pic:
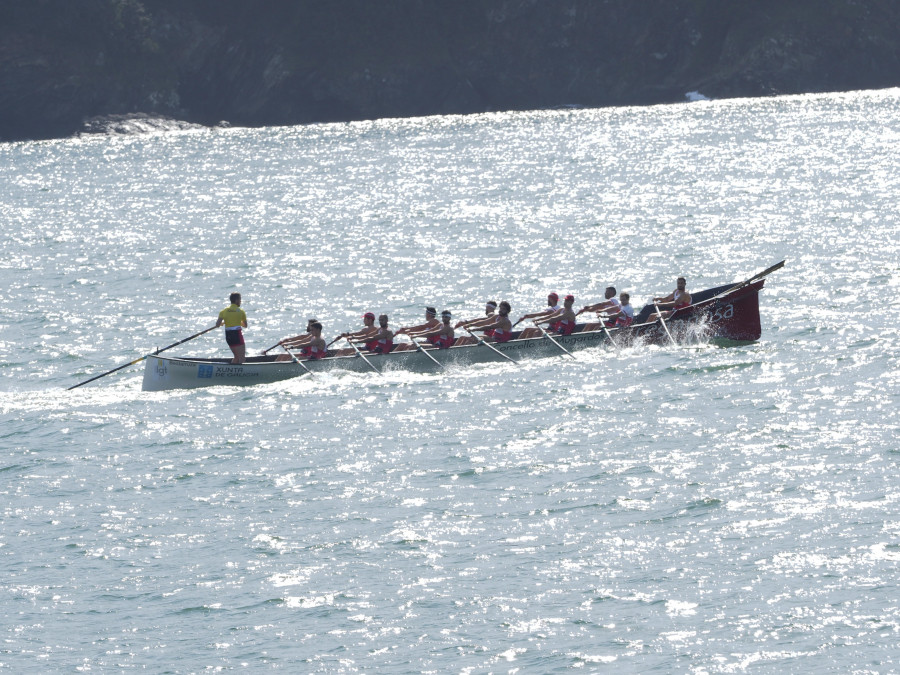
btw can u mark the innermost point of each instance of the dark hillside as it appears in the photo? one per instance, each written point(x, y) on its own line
point(260, 62)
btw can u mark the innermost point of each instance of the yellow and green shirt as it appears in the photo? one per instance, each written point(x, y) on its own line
point(233, 316)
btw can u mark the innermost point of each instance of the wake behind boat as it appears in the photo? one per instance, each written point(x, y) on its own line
point(729, 312)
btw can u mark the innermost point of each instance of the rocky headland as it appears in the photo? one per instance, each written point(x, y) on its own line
point(113, 66)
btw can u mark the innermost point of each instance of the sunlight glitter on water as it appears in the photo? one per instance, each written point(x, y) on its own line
point(701, 508)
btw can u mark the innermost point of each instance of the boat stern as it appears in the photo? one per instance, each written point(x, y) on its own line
point(156, 374)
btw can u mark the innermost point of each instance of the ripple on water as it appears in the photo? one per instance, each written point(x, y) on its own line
point(716, 507)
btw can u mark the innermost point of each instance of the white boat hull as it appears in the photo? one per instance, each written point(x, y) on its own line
point(729, 312)
point(162, 373)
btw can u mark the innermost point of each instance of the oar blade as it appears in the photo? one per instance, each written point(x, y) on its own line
point(131, 363)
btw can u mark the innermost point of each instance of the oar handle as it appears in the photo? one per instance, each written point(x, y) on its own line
point(268, 349)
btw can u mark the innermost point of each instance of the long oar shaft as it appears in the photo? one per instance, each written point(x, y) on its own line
point(296, 360)
point(755, 277)
point(663, 322)
point(425, 352)
point(547, 335)
point(608, 336)
point(174, 344)
point(491, 347)
point(359, 353)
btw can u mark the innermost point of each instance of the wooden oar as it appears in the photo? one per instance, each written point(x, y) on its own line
point(755, 277)
point(175, 344)
point(605, 330)
point(359, 353)
point(278, 344)
point(297, 361)
point(425, 352)
point(481, 341)
point(663, 322)
point(266, 351)
point(547, 335)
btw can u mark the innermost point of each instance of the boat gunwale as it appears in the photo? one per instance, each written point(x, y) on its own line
point(684, 315)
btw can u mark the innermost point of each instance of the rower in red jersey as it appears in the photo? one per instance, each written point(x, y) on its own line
point(489, 317)
point(677, 299)
point(502, 326)
point(443, 336)
point(563, 321)
point(382, 342)
point(368, 331)
point(431, 323)
point(608, 305)
point(552, 308)
point(314, 349)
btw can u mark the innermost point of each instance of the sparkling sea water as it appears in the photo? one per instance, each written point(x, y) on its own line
point(700, 509)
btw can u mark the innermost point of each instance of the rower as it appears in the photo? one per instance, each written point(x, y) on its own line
point(563, 321)
point(441, 337)
point(301, 339)
point(609, 304)
point(314, 349)
point(489, 317)
point(677, 299)
point(552, 308)
point(501, 329)
point(431, 323)
point(625, 315)
point(369, 329)
point(382, 342)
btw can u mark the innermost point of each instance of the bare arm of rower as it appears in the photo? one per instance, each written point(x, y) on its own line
point(481, 321)
point(377, 335)
point(550, 318)
point(425, 334)
point(297, 341)
point(536, 315)
point(365, 332)
point(606, 305)
point(495, 323)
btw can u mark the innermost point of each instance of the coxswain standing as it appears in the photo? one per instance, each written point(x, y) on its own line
point(234, 319)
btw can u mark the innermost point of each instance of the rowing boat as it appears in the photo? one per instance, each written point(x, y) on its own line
point(729, 313)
